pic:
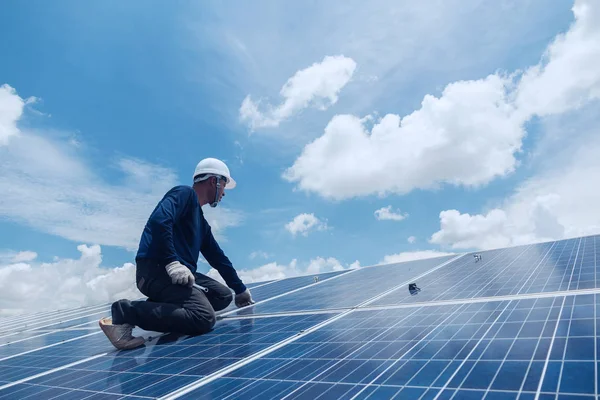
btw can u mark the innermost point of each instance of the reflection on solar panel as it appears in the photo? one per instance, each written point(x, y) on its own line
point(516, 323)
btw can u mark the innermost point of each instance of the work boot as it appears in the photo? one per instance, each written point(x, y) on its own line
point(120, 335)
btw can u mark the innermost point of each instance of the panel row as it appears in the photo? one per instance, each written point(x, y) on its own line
point(490, 350)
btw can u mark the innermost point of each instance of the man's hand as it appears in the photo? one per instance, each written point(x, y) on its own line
point(244, 299)
point(180, 274)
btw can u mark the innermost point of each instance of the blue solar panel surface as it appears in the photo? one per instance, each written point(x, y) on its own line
point(521, 323)
point(350, 289)
point(276, 288)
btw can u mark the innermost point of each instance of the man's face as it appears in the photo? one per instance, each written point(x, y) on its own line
point(222, 188)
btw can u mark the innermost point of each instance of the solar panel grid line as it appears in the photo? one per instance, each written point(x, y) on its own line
point(546, 276)
point(51, 316)
point(514, 340)
point(284, 286)
point(338, 362)
point(562, 363)
point(507, 268)
point(568, 263)
point(464, 277)
point(568, 329)
point(39, 343)
point(469, 354)
point(51, 371)
point(474, 272)
point(557, 265)
point(538, 266)
point(422, 304)
point(35, 326)
point(28, 338)
point(537, 345)
point(390, 366)
point(19, 317)
point(286, 327)
point(446, 280)
point(459, 322)
point(533, 273)
point(218, 374)
point(49, 346)
point(545, 368)
point(287, 293)
point(403, 284)
point(595, 327)
point(8, 342)
point(362, 284)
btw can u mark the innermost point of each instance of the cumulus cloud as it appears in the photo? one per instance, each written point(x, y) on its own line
point(11, 109)
point(315, 86)
point(468, 136)
point(411, 239)
point(275, 270)
point(49, 185)
point(304, 223)
point(65, 283)
point(568, 75)
point(560, 201)
point(386, 213)
point(412, 255)
point(321, 264)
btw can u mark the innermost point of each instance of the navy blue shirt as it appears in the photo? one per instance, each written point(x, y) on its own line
point(178, 231)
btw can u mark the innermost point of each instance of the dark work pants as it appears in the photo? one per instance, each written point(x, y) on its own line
point(170, 307)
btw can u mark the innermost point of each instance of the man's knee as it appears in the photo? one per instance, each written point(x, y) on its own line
point(201, 321)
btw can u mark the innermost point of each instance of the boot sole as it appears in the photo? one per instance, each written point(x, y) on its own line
point(132, 344)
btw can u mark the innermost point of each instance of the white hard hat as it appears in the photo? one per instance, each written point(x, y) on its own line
point(212, 166)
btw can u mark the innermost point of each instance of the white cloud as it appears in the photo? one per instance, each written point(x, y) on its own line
point(304, 223)
point(412, 255)
point(317, 85)
point(466, 231)
point(28, 287)
point(11, 109)
point(560, 201)
point(568, 76)
point(468, 136)
point(24, 256)
point(275, 270)
point(48, 185)
point(12, 257)
point(411, 239)
point(386, 213)
point(259, 254)
point(321, 264)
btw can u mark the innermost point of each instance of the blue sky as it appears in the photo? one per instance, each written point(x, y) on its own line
point(478, 125)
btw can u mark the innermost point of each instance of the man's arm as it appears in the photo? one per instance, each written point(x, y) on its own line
point(214, 255)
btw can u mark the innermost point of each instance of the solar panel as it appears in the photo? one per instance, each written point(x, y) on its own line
point(517, 323)
point(285, 286)
point(350, 289)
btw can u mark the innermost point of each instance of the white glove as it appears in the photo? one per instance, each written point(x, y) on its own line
point(180, 274)
point(244, 299)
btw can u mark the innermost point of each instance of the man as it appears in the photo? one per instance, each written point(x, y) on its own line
point(179, 299)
